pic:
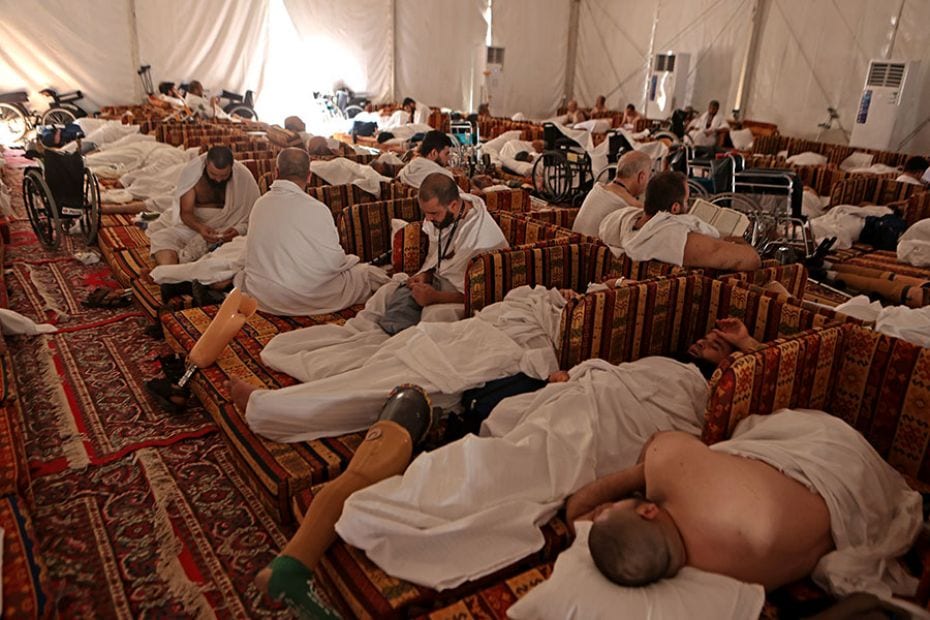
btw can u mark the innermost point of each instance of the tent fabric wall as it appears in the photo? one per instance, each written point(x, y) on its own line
point(438, 42)
point(803, 66)
point(534, 34)
point(350, 40)
point(67, 45)
point(222, 44)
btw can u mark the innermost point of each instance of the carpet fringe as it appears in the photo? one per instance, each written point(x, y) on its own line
point(72, 442)
point(44, 293)
point(169, 567)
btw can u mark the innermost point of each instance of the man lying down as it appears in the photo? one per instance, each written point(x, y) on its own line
point(535, 450)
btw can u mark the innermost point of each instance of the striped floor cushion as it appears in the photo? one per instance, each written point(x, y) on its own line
point(113, 239)
point(130, 264)
point(116, 219)
point(26, 592)
point(275, 470)
point(148, 295)
point(360, 589)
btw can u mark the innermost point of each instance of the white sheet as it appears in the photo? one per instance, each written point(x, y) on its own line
point(348, 371)
point(845, 222)
point(874, 515)
point(471, 507)
point(910, 324)
point(493, 147)
point(914, 245)
point(342, 171)
point(14, 323)
point(662, 238)
point(807, 158)
point(418, 169)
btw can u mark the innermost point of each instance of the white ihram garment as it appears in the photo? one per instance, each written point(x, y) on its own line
point(414, 173)
point(598, 204)
point(914, 245)
point(662, 238)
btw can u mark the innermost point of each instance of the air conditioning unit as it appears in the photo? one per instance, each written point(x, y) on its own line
point(667, 82)
point(889, 88)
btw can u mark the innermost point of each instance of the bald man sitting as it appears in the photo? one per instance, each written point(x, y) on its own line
point(663, 230)
point(633, 172)
point(791, 493)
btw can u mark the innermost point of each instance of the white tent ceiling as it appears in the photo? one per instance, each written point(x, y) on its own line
point(810, 54)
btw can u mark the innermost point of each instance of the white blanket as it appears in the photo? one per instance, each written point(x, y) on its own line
point(812, 204)
point(471, 507)
point(349, 370)
point(595, 125)
point(341, 171)
point(13, 324)
point(808, 158)
point(914, 245)
point(169, 232)
point(597, 205)
point(493, 147)
point(418, 169)
point(662, 238)
point(910, 324)
point(845, 222)
point(874, 515)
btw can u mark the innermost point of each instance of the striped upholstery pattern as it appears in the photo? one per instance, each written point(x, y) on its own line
point(338, 197)
point(259, 167)
point(491, 603)
point(275, 470)
point(871, 189)
point(26, 588)
point(560, 216)
point(916, 208)
point(365, 229)
point(885, 260)
point(514, 200)
point(793, 277)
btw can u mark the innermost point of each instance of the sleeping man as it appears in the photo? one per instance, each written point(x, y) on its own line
point(662, 230)
point(535, 449)
point(793, 493)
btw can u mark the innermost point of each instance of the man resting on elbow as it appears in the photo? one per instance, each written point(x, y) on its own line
point(662, 230)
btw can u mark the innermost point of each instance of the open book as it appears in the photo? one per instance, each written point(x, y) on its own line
point(729, 222)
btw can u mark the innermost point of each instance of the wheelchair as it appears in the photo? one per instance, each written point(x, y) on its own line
point(563, 172)
point(61, 195)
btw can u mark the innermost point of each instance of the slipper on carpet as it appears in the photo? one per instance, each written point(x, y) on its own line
point(103, 297)
point(168, 394)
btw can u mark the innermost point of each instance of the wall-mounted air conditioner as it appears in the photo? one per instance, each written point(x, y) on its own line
point(889, 85)
point(667, 80)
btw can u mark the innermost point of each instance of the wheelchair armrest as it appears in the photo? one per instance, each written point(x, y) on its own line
point(235, 97)
point(49, 92)
point(74, 95)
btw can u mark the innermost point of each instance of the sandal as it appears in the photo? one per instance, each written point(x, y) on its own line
point(103, 297)
point(172, 365)
point(168, 394)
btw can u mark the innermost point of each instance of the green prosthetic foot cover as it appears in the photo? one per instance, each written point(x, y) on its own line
point(292, 583)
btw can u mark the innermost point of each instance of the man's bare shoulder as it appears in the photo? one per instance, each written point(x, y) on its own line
point(671, 459)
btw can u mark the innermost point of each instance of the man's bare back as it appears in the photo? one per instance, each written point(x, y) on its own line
point(737, 516)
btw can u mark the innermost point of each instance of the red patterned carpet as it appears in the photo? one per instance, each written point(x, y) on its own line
point(139, 513)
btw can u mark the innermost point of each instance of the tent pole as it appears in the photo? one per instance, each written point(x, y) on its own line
point(394, 50)
point(649, 57)
point(134, 48)
point(574, 9)
point(888, 52)
point(749, 60)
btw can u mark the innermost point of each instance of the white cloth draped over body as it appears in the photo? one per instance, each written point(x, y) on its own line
point(168, 232)
point(493, 147)
point(598, 204)
point(418, 169)
point(874, 515)
point(698, 126)
point(594, 125)
point(290, 262)
point(348, 371)
point(146, 169)
point(914, 245)
point(662, 238)
point(910, 324)
point(342, 171)
point(508, 153)
point(474, 506)
point(421, 113)
point(404, 132)
point(845, 222)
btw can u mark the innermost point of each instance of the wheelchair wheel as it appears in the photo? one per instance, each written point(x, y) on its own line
point(90, 219)
point(243, 111)
point(58, 116)
point(352, 111)
point(552, 176)
point(41, 208)
point(13, 124)
point(696, 190)
point(760, 230)
point(607, 174)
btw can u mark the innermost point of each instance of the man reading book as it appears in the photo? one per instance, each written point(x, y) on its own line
point(663, 230)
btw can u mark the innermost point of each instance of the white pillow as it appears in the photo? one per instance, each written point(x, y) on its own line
point(577, 590)
point(808, 158)
point(741, 138)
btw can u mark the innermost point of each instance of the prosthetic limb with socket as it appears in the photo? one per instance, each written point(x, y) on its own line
point(231, 316)
point(894, 287)
point(386, 451)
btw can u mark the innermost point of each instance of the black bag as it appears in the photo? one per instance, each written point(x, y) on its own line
point(479, 402)
point(882, 233)
point(362, 128)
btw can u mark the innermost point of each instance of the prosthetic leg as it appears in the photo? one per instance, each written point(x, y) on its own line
point(229, 319)
point(385, 452)
point(896, 288)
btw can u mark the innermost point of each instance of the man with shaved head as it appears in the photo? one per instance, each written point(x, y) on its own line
point(294, 264)
point(633, 172)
